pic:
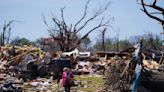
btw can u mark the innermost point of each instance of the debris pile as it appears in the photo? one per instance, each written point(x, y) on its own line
point(121, 74)
point(18, 61)
point(27, 63)
point(116, 80)
point(152, 65)
point(17, 54)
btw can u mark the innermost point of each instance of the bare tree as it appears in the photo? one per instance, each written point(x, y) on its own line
point(103, 38)
point(153, 10)
point(6, 29)
point(6, 32)
point(67, 35)
point(117, 40)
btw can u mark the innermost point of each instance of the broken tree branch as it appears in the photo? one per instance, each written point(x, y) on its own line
point(84, 15)
point(64, 25)
point(101, 24)
point(157, 8)
point(148, 14)
point(97, 13)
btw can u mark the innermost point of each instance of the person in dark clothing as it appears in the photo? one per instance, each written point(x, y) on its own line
point(59, 77)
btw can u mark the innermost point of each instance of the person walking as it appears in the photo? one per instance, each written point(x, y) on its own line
point(67, 78)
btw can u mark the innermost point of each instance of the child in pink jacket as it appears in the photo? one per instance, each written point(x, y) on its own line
point(67, 78)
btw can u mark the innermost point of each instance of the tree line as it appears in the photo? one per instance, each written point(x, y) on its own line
point(151, 41)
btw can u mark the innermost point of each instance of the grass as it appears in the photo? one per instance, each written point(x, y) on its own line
point(91, 83)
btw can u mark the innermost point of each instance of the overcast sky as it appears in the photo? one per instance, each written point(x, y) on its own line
point(128, 18)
